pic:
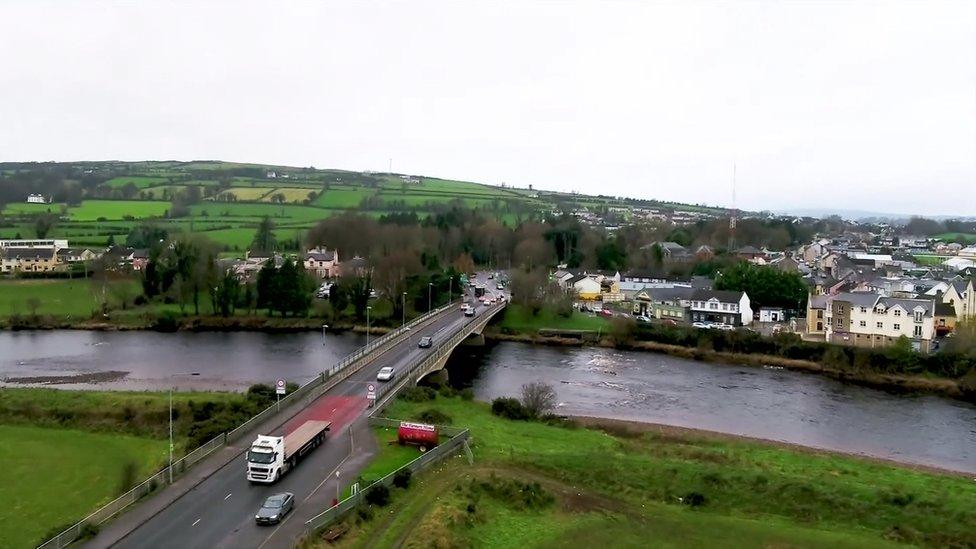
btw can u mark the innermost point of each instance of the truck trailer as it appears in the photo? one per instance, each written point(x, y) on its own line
point(269, 458)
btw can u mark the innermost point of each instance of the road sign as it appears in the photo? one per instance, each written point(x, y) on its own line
point(370, 392)
point(280, 386)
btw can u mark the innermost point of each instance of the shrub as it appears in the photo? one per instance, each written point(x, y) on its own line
point(514, 493)
point(447, 391)
point(435, 416)
point(694, 499)
point(509, 408)
point(401, 479)
point(419, 394)
point(467, 394)
point(378, 495)
point(538, 398)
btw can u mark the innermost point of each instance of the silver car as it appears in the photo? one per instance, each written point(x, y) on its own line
point(275, 508)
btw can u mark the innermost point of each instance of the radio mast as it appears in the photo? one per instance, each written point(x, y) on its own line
point(733, 215)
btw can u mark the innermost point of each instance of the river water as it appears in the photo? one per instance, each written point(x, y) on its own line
point(772, 404)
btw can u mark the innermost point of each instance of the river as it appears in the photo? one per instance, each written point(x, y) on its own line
point(780, 405)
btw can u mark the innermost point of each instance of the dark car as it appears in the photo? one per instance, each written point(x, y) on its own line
point(275, 508)
point(425, 342)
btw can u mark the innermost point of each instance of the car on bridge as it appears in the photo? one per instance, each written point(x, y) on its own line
point(386, 373)
point(275, 508)
point(425, 342)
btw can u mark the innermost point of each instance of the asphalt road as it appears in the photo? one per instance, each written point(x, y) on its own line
point(220, 511)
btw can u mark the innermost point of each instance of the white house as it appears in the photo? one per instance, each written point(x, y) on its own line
point(36, 199)
point(585, 287)
point(726, 307)
point(771, 314)
point(322, 262)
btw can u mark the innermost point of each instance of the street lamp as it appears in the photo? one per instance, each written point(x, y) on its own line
point(403, 310)
point(171, 421)
point(324, 327)
point(450, 289)
point(368, 308)
point(430, 289)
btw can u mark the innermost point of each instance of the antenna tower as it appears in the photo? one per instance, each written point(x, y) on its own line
point(733, 215)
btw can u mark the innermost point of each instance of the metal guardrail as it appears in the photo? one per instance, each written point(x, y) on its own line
point(431, 456)
point(310, 390)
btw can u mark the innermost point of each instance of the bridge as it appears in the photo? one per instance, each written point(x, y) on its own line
point(211, 504)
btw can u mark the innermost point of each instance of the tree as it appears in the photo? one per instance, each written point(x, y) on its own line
point(338, 300)
point(267, 286)
point(765, 286)
point(227, 294)
point(264, 238)
point(44, 223)
point(538, 398)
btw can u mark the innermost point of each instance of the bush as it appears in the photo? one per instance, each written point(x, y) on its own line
point(509, 408)
point(419, 394)
point(467, 394)
point(434, 416)
point(538, 398)
point(514, 493)
point(401, 479)
point(378, 495)
point(694, 499)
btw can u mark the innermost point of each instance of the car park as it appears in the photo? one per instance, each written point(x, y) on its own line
point(275, 508)
point(385, 374)
point(425, 342)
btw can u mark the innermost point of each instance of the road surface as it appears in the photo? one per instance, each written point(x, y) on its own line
point(220, 511)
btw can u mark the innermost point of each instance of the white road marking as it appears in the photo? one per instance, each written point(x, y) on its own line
point(227, 496)
point(196, 522)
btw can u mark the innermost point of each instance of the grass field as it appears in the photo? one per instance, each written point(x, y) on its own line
point(245, 194)
point(91, 210)
point(54, 477)
point(929, 259)
point(520, 319)
point(139, 181)
point(257, 211)
point(25, 208)
point(77, 298)
point(627, 488)
point(342, 198)
point(951, 237)
point(292, 195)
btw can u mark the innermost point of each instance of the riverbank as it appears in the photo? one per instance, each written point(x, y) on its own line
point(625, 483)
point(189, 323)
point(628, 428)
point(889, 382)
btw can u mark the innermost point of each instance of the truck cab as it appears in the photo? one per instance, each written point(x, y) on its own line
point(266, 459)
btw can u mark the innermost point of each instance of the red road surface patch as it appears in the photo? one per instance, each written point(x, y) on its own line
point(340, 410)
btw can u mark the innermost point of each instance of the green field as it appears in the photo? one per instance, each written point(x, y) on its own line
point(139, 181)
point(518, 318)
point(76, 298)
point(622, 488)
point(342, 198)
point(25, 208)
point(55, 477)
point(91, 210)
point(951, 237)
point(257, 211)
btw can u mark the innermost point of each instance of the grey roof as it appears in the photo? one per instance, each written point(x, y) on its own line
point(576, 278)
point(910, 304)
point(819, 301)
point(959, 284)
point(28, 253)
point(321, 256)
point(944, 309)
point(701, 282)
point(748, 250)
point(670, 294)
point(724, 296)
point(860, 299)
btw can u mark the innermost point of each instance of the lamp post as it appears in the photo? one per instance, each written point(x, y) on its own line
point(430, 289)
point(450, 290)
point(403, 310)
point(324, 327)
point(171, 421)
point(368, 308)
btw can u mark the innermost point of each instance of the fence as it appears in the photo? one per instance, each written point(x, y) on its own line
point(309, 391)
point(434, 454)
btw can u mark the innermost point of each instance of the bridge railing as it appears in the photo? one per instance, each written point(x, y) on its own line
point(309, 391)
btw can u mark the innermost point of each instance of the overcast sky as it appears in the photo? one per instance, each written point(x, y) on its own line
point(858, 105)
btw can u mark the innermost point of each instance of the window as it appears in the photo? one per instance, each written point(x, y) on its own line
point(864, 324)
point(819, 314)
point(897, 312)
point(864, 309)
point(725, 306)
point(881, 325)
point(918, 316)
point(918, 331)
point(898, 326)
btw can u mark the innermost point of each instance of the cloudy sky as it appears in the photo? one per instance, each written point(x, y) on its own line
point(852, 105)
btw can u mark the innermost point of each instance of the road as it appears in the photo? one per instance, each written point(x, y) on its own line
point(219, 512)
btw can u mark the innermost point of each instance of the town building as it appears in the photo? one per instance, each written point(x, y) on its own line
point(865, 319)
point(322, 262)
point(721, 306)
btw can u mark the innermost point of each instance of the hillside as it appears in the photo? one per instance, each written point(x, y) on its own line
point(88, 202)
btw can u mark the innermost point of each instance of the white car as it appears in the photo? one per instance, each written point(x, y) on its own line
point(702, 325)
point(642, 318)
point(385, 374)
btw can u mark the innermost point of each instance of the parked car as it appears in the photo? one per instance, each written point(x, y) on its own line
point(385, 374)
point(606, 312)
point(669, 321)
point(275, 508)
point(702, 325)
point(499, 286)
point(642, 318)
point(425, 342)
point(726, 327)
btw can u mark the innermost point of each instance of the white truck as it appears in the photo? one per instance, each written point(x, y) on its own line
point(269, 458)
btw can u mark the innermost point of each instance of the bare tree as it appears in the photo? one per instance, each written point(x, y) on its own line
point(538, 398)
point(33, 303)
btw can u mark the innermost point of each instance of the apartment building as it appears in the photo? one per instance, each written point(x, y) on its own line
point(865, 319)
